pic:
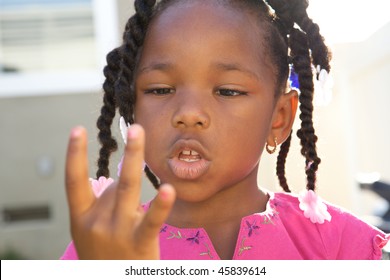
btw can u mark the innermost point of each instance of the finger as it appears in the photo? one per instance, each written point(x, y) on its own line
point(157, 214)
point(79, 193)
point(129, 185)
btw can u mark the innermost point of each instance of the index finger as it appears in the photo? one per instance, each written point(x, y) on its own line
point(79, 193)
point(129, 185)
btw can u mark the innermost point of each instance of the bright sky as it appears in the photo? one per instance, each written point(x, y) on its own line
point(349, 20)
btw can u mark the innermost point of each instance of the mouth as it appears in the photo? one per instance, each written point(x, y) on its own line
point(189, 156)
point(188, 160)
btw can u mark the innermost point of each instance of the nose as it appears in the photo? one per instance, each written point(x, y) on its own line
point(191, 111)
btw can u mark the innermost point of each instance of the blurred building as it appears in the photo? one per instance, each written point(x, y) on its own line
point(47, 35)
point(51, 58)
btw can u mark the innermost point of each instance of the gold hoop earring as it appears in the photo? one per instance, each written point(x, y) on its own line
point(271, 149)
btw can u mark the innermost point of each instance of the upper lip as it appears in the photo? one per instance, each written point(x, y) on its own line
point(189, 145)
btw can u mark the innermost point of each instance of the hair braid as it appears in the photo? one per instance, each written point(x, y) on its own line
point(133, 39)
point(104, 122)
point(283, 14)
point(281, 163)
point(295, 11)
point(320, 55)
point(307, 47)
point(152, 178)
point(302, 65)
point(117, 86)
point(107, 114)
point(319, 51)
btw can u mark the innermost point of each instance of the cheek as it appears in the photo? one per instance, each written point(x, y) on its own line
point(251, 123)
point(248, 143)
point(149, 110)
point(248, 135)
point(156, 126)
point(147, 116)
point(153, 150)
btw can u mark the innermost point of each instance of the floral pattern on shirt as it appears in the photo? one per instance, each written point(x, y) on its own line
point(243, 247)
point(195, 238)
point(251, 227)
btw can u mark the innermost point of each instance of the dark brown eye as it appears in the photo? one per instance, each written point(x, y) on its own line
point(230, 92)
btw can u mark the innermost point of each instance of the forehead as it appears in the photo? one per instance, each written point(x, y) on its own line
point(209, 12)
point(206, 29)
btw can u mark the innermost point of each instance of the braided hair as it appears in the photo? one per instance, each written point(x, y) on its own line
point(292, 40)
point(307, 48)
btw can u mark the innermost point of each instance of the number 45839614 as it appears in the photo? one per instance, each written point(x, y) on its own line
point(241, 270)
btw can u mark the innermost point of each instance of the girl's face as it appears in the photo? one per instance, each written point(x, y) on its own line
point(205, 97)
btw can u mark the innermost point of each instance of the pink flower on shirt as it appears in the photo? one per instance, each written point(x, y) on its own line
point(313, 207)
point(98, 186)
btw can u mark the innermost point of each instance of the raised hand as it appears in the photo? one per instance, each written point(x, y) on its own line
point(114, 226)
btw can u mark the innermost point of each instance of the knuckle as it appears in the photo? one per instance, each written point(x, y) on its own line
point(72, 149)
point(129, 182)
point(97, 229)
point(70, 181)
point(75, 147)
point(123, 185)
point(153, 222)
point(134, 146)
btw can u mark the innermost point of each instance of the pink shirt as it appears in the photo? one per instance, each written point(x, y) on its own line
point(279, 233)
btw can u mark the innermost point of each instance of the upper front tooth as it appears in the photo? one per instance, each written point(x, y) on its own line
point(190, 153)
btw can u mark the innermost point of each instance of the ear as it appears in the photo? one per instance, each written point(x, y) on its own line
point(283, 117)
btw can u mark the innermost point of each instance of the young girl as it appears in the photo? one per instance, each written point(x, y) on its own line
point(207, 84)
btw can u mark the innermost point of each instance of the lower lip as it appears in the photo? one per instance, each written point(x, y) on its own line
point(188, 170)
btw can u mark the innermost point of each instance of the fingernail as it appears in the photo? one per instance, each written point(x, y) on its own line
point(132, 132)
point(164, 195)
point(75, 133)
point(164, 192)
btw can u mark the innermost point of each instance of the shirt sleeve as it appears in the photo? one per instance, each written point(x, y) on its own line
point(349, 238)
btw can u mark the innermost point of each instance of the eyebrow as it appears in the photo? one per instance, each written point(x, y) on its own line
point(235, 67)
point(160, 66)
point(166, 66)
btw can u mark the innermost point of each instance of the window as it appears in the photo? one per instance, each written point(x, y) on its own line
point(54, 46)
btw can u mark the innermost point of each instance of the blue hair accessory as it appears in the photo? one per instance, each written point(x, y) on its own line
point(293, 78)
